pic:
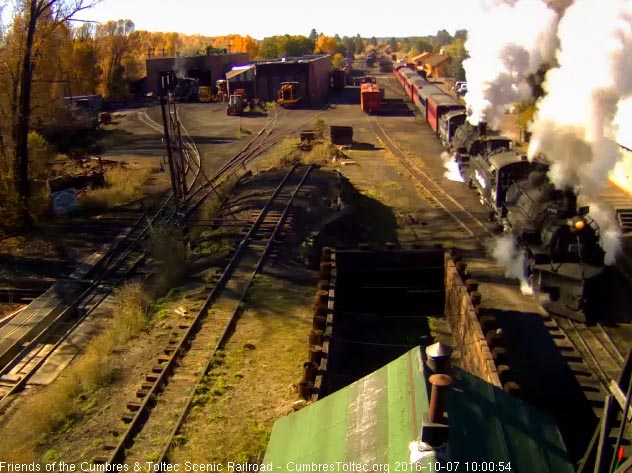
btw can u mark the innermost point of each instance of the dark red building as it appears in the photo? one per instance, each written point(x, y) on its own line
point(207, 69)
point(264, 78)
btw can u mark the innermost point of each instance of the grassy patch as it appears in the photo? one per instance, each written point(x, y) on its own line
point(320, 154)
point(58, 406)
point(252, 385)
point(212, 206)
point(169, 250)
point(288, 152)
point(122, 186)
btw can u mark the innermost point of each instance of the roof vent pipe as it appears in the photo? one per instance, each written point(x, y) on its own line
point(438, 358)
point(438, 397)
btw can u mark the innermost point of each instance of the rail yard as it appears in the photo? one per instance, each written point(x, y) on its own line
point(223, 355)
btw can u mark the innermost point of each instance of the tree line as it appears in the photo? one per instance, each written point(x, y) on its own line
point(45, 55)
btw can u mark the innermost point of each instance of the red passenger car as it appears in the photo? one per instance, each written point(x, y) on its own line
point(438, 105)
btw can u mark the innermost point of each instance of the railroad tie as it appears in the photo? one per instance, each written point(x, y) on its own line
point(134, 406)
point(109, 446)
point(164, 358)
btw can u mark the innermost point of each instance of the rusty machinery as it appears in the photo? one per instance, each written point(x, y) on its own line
point(288, 94)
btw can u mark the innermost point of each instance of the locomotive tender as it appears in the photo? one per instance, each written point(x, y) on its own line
point(559, 242)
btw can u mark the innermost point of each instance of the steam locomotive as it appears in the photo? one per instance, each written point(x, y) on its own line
point(562, 260)
point(558, 242)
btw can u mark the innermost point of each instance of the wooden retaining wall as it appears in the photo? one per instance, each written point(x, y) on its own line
point(467, 333)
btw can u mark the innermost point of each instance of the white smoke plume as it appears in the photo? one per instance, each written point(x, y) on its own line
point(622, 172)
point(502, 56)
point(609, 232)
point(452, 172)
point(506, 253)
point(179, 67)
point(574, 125)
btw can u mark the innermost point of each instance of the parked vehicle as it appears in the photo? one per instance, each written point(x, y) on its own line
point(288, 94)
point(462, 89)
point(205, 94)
point(237, 102)
point(458, 84)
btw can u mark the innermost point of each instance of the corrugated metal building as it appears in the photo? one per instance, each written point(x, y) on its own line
point(374, 424)
point(207, 69)
point(311, 72)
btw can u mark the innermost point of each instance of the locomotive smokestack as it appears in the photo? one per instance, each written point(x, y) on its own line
point(569, 203)
point(482, 128)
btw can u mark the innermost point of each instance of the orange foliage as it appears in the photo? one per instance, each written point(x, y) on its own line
point(237, 44)
point(325, 44)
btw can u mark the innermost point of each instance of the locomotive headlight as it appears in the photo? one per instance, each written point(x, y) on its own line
point(578, 223)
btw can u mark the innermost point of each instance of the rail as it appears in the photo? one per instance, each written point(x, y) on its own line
point(90, 298)
point(175, 355)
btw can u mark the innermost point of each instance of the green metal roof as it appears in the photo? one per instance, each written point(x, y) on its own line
point(489, 425)
point(376, 420)
point(371, 421)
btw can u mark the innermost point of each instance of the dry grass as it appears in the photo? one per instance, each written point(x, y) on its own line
point(211, 208)
point(169, 250)
point(122, 186)
point(288, 152)
point(320, 154)
point(58, 406)
point(251, 384)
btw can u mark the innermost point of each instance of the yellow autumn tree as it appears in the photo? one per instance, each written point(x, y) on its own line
point(325, 44)
point(237, 44)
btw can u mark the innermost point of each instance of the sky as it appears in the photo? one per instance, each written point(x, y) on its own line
point(261, 18)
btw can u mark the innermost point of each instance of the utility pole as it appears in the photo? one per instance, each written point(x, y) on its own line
point(166, 85)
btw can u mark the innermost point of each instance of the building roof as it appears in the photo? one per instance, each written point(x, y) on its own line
point(293, 59)
point(237, 70)
point(371, 421)
point(435, 59)
point(419, 57)
point(377, 420)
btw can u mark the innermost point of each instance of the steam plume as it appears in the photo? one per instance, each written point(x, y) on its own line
point(574, 125)
point(502, 56)
point(505, 252)
point(609, 232)
point(451, 167)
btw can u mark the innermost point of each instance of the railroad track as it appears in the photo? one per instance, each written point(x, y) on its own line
point(131, 250)
point(431, 190)
point(150, 422)
point(122, 259)
point(127, 253)
point(596, 349)
point(271, 134)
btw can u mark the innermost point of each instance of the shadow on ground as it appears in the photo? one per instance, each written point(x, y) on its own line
point(546, 378)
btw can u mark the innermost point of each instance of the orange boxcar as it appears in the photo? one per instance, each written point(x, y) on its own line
point(370, 98)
